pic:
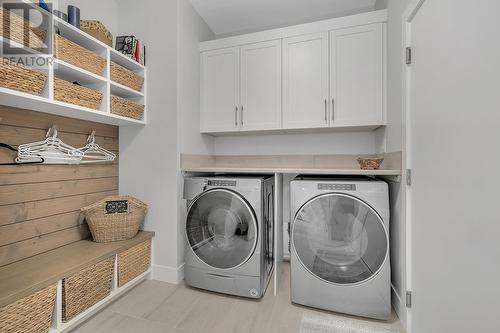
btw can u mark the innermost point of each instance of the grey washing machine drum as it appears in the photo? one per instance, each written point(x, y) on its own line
point(340, 239)
point(221, 229)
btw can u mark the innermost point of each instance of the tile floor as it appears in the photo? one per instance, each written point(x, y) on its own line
point(155, 306)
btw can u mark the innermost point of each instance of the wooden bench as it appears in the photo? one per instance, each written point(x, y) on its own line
point(25, 277)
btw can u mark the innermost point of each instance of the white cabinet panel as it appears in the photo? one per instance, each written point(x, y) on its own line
point(220, 89)
point(261, 86)
point(356, 76)
point(305, 81)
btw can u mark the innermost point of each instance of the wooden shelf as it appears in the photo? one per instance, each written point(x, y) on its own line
point(25, 277)
point(126, 62)
point(69, 72)
point(124, 91)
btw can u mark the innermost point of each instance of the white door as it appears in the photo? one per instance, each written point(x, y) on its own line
point(356, 76)
point(453, 123)
point(260, 107)
point(305, 81)
point(220, 90)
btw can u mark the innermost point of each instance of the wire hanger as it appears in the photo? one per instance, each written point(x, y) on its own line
point(93, 153)
point(9, 147)
point(52, 150)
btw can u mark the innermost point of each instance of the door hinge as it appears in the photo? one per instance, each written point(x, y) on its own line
point(408, 56)
point(408, 177)
point(408, 299)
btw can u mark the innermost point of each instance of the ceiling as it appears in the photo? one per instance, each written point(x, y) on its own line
point(226, 17)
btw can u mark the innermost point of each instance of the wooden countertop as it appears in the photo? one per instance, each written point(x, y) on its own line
point(291, 164)
point(27, 276)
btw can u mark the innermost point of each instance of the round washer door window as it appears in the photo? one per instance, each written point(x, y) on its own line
point(221, 229)
point(339, 239)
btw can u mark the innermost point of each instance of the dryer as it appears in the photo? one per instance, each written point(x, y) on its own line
point(229, 230)
point(340, 245)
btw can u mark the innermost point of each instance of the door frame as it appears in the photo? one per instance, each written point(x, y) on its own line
point(407, 19)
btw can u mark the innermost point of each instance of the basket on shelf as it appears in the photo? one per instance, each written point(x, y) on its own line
point(133, 262)
point(97, 30)
point(79, 56)
point(21, 78)
point(31, 314)
point(115, 218)
point(86, 288)
point(370, 163)
point(69, 92)
point(19, 30)
point(126, 108)
point(121, 75)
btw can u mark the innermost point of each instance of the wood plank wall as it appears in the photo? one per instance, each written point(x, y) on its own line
point(39, 204)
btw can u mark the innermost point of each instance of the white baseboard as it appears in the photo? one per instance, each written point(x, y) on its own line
point(168, 274)
point(399, 306)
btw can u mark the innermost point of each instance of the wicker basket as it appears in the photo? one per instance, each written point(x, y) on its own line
point(13, 28)
point(79, 56)
point(32, 314)
point(126, 77)
point(68, 92)
point(21, 78)
point(86, 288)
point(370, 163)
point(126, 108)
point(133, 262)
point(97, 30)
point(115, 218)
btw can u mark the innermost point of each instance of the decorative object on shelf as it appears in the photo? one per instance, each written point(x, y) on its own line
point(126, 108)
point(126, 77)
point(61, 15)
point(115, 218)
point(42, 4)
point(52, 150)
point(370, 163)
point(21, 78)
point(97, 30)
point(132, 48)
point(69, 92)
point(79, 56)
point(93, 153)
point(74, 16)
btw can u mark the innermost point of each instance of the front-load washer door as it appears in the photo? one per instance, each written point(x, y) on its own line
point(340, 239)
point(221, 229)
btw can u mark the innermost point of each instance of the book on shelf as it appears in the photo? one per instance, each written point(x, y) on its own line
point(132, 48)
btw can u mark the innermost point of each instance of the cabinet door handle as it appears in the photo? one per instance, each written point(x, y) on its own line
point(333, 108)
point(241, 115)
point(236, 116)
point(326, 110)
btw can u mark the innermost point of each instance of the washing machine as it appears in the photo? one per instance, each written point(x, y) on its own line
point(340, 245)
point(229, 231)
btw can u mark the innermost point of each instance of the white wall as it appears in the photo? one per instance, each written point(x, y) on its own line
point(148, 155)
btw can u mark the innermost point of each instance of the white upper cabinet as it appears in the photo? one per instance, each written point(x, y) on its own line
point(356, 76)
point(305, 81)
point(260, 106)
point(220, 90)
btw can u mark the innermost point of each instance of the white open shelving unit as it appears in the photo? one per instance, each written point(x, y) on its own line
point(60, 69)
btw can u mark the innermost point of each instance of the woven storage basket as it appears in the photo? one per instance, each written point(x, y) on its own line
point(21, 78)
point(370, 163)
point(126, 108)
point(86, 288)
point(115, 218)
point(126, 77)
point(97, 30)
point(133, 262)
point(68, 92)
point(13, 28)
point(32, 314)
point(79, 56)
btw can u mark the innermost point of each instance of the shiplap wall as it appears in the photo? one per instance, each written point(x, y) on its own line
point(39, 204)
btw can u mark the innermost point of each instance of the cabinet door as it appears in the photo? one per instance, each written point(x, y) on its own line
point(356, 76)
point(261, 86)
point(305, 81)
point(220, 90)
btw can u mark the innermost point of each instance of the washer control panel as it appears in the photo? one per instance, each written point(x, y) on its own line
point(222, 183)
point(337, 187)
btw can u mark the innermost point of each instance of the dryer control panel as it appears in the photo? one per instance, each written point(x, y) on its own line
point(222, 183)
point(337, 187)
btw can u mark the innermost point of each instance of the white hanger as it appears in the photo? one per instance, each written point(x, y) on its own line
point(93, 153)
point(52, 150)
